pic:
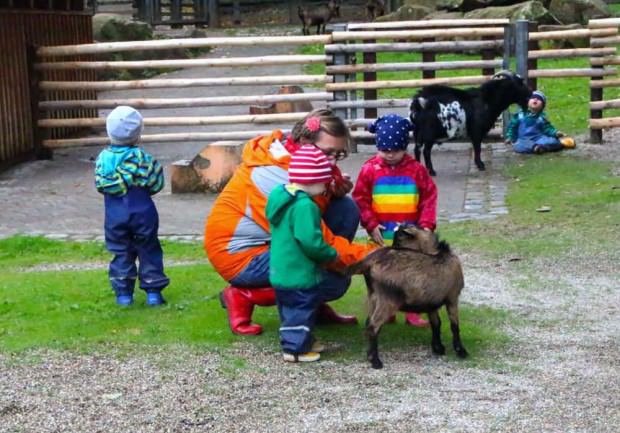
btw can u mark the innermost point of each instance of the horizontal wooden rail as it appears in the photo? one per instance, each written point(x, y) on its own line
point(570, 53)
point(418, 34)
point(604, 22)
point(189, 63)
point(183, 82)
point(427, 24)
point(377, 103)
point(186, 102)
point(604, 105)
point(609, 122)
point(167, 44)
point(447, 46)
point(174, 137)
point(179, 121)
point(605, 42)
point(415, 66)
point(601, 84)
point(565, 73)
point(573, 34)
point(395, 84)
point(601, 61)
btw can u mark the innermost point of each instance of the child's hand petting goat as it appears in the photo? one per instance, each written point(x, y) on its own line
point(418, 273)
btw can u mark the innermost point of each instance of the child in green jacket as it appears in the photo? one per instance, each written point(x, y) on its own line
point(298, 251)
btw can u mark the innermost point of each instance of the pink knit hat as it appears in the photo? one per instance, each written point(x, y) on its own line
point(309, 165)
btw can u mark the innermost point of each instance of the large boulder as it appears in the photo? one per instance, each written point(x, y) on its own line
point(407, 13)
point(113, 27)
point(530, 10)
point(431, 4)
point(444, 15)
point(578, 11)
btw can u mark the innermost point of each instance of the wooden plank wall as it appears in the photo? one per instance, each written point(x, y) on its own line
point(20, 29)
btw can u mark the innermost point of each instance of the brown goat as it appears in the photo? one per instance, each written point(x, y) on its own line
point(374, 9)
point(419, 274)
point(318, 16)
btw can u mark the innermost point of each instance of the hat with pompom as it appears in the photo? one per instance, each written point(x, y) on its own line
point(537, 94)
point(309, 165)
point(391, 132)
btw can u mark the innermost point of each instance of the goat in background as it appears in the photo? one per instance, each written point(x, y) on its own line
point(318, 16)
point(375, 8)
point(419, 274)
point(440, 113)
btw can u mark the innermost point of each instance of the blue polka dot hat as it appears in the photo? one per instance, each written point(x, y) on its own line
point(391, 132)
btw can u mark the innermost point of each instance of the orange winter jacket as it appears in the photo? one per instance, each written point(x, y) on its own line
point(237, 230)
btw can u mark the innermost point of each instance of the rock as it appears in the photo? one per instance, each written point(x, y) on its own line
point(113, 27)
point(407, 13)
point(284, 107)
point(444, 15)
point(578, 11)
point(216, 163)
point(530, 10)
point(430, 4)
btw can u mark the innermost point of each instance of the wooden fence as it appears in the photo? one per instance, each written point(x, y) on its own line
point(347, 85)
point(597, 85)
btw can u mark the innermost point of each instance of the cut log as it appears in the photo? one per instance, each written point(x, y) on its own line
point(216, 163)
point(286, 106)
point(183, 178)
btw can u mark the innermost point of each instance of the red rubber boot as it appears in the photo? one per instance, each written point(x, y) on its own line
point(240, 305)
point(414, 319)
point(326, 315)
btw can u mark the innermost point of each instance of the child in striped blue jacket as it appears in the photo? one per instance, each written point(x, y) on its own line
point(127, 176)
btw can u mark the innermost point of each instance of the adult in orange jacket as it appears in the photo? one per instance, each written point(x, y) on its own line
point(237, 232)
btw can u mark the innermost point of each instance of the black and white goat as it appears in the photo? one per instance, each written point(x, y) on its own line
point(440, 113)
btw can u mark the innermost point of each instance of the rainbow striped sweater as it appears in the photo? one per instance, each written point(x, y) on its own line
point(391, 195)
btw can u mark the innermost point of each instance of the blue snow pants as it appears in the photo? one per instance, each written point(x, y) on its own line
point(131, 224)
point(297, 310)
point(531, 136)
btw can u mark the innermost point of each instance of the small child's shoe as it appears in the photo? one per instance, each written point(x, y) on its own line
point(154, 299)
point(413, 319)
point(301, 357)
point(124, 300)
point(567, 142)
point(539, 150)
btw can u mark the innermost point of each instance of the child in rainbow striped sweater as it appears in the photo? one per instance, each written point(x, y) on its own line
point(393, 188)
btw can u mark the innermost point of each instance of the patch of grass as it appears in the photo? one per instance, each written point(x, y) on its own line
point(584, 198)
point(76, 311)
point(26, 251)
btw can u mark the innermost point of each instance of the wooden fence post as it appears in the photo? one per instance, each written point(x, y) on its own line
point(214, 19)
point(293, 6)
point(236, 12)
point(428, 57)
point(176, 13)
point(342, 95)
point(38, 134)
point(532, 64)
point(596, 94)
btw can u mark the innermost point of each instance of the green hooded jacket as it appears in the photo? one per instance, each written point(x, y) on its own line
point(297, 244)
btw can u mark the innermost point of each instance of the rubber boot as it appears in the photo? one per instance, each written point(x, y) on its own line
point(240, 305)
point(414, 319)
point(326, 315)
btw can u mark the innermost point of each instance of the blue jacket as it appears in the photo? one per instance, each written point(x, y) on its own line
point(120, 167)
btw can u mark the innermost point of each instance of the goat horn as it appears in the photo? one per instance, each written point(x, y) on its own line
point(503, 74)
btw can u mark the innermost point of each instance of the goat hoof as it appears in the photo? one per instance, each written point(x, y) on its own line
point(439, 350)
point(480, 166)
point(433, 172)
point(462, 353)
point(377, 365)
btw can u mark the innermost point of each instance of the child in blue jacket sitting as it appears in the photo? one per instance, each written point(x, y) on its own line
point(530, 131)
point(127, 176)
